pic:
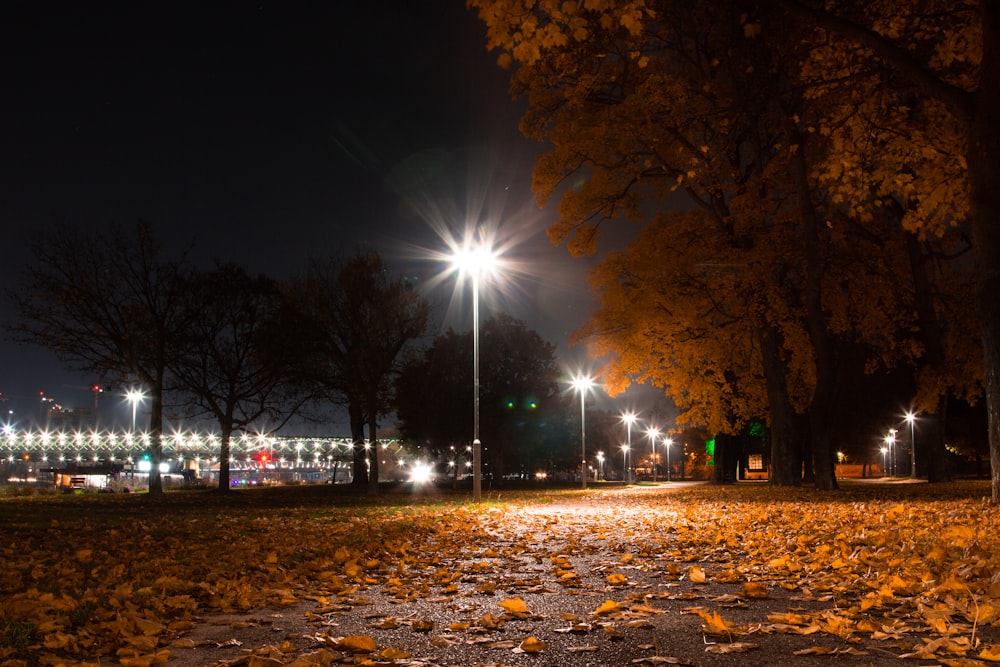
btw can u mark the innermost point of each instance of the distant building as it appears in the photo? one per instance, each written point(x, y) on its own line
point(58, 418)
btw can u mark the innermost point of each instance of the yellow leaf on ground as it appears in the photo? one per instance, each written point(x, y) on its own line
point(696, 574)
point(514, 606)
point(754, 589)
point(356, 644)
point(393, 654)
point(735, 647)
point(617, 579)
point(532, 645)
point(609, 607)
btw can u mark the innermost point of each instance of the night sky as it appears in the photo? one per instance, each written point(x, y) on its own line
point(268, 132)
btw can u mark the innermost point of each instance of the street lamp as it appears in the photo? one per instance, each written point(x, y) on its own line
point(582, 384)
point(629, 419)
point(475, 260)
point(625, 449)
point(600, 464)
point(883, 450)
point(912, 417)
point(653, 434)
point(891, 441)
point(667, 442)
point(134, 396)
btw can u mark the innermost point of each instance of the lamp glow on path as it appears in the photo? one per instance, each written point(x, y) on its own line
point(583, 384)
point(475, 260)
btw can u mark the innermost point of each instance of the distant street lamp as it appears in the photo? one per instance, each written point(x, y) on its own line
point(912, 417)
point(883, 450)
point(475, 260)
point(582, 384)
point(653, 434)
point(625, 474)
point(600, 465)
point(134, 396)
point(629, 419)
point(891, 441)
point(667, 442)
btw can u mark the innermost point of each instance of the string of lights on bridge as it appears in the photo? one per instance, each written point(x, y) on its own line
point(59, 446)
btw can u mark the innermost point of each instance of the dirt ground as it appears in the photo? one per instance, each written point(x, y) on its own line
point(657, 618)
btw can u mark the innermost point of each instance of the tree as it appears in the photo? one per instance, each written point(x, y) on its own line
point(232, 362)
point(354, 322)
point(107, 303)
point(518, 390)
point(640, 98)
point(949, 53)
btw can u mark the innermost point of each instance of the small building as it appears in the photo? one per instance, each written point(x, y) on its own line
point(79, 476)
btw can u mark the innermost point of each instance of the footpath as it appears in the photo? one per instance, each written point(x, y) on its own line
point(595, 580)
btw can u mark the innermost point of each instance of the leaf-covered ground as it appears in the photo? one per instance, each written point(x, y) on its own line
point(645, 575)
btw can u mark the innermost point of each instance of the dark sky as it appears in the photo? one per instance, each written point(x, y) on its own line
point(268, 132)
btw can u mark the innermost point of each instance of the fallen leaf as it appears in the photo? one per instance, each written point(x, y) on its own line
point(531, 645)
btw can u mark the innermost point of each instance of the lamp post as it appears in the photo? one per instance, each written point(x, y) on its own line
point(134, 396)
point(912, 417)
point(667, 442)
point(629, 419)
point(625, 474)
point(891, 441)
point(883, 450)
point(600, 466)
point(582, 384)
point(475, 260)
point(653, 434)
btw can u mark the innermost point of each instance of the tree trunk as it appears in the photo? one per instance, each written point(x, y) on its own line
point(373, 468)
point(984, 177)
point(820, 410)
point(786, 465)
point(933, 445)
point(224, 450)
point(155, 438)
point(359, 474)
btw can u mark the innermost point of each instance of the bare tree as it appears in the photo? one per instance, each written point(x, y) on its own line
point(355, 321)
point(232, 363)
point(107, 303)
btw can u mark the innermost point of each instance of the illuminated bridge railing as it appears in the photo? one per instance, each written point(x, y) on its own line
point(54, 447)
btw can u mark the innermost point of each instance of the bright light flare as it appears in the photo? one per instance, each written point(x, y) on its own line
point(477, 260)
point(582, 383)
point(421, 473)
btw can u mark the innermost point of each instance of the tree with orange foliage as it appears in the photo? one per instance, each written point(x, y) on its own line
point(947, 54)
point(641, 98)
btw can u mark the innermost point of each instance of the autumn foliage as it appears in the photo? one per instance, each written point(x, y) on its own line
point(802, 193)
point(656, 575)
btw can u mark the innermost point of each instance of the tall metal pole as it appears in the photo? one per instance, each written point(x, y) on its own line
point(628, 441)
point(667, 443)
point(477, 461)
point(910, 417)
point(583, 436)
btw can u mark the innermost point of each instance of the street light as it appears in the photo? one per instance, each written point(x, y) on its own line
point(600, 465)
point(883, 450)
point(134, 396)
point(629, 419)
point(625, 449)
point(475, 260)
point(667, 442)
point(912, 417)
point(653, 434)
point(891, 441)
point(582, 384)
